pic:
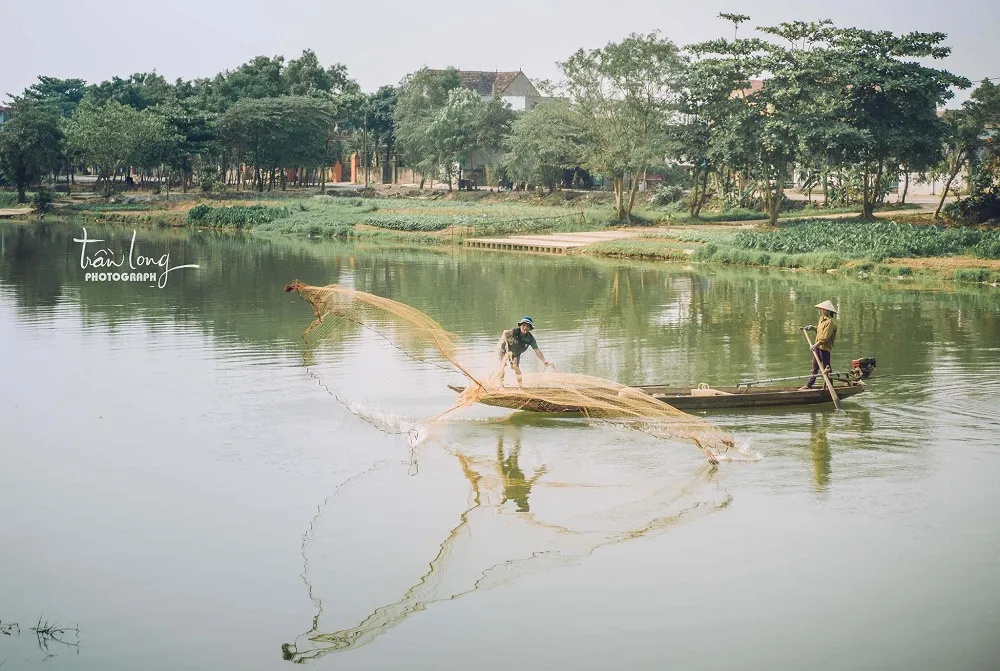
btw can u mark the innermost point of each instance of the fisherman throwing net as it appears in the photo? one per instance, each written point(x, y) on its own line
point(423, 339)
point(515, 342)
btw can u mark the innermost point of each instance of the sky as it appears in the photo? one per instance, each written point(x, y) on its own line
point(380, 42)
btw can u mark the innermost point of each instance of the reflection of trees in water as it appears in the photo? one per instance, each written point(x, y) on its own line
point(636, 322)
point(486, 548)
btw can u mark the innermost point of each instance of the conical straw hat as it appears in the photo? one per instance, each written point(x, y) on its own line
point(827, 305)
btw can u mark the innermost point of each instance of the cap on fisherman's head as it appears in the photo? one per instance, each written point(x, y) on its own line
point(527, 320)
point(827, 305)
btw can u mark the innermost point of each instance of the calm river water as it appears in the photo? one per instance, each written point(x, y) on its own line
point(189, 488)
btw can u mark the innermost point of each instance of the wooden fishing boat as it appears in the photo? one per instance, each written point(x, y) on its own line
point(687, 399)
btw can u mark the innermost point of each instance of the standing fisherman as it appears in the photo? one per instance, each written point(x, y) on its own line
point(826, 334)
point(515, 342)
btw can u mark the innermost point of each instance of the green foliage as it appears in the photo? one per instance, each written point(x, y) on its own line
point(237, 216)
point(42, 200)
point(876, 240)
point(273, 132)
point(111, 207)
point(625, 94)
point(975, 209)
point(409, 223)
point(545, 141)
point(438, 123)
point(979, 275)
point(7, 199)
point(30, 144)
point(421, 97)
point(113, 136)
point(63, 94)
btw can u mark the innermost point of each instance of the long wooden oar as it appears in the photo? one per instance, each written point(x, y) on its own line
point(822, 368)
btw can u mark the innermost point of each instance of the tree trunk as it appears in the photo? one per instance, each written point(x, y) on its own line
point(704, 190)
point(21, 195)
point(947, 185)
point(774, 197)
point(877, 197)
point(906, 187)
point(867, 193)
point(619, 205)
point(694, 194)
point(632, 192)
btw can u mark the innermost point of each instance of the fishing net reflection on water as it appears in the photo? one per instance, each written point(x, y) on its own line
point(422, 338)
point(516, 499)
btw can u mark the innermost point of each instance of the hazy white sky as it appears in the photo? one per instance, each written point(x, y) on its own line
point(380, 42)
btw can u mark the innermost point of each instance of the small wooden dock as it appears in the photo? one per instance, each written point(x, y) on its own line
point(556, 243)
point(15, 212)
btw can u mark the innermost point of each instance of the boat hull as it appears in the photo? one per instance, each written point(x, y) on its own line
point(683, 399)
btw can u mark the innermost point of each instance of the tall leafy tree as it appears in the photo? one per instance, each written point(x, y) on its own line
point(113, 137)
point(272, 133)
point(890, 100)
point(422, 96)
point(969, 133)
point(305, 75)
point(760, 130)
point(626, 93)
point(141, 90)
point(544, 142)
point(29, 144)
point(64, 94)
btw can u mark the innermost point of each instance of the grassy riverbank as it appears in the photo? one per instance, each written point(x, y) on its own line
point(906, 246)
point(885, 247)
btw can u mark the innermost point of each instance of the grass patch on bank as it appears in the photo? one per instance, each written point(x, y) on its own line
point(638, 248)
point(977, 275)
point(323, 216)
point(8, 200)
point(679, 214)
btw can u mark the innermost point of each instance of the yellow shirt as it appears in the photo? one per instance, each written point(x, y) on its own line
point(826, 333)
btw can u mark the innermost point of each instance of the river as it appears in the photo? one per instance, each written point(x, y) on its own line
point(187, 486)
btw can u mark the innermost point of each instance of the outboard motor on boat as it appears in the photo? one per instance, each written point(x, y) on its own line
point(862, 368)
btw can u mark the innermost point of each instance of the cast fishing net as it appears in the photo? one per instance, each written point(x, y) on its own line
point(422, 338)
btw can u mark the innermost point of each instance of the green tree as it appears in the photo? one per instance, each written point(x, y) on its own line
point(891, 101)
point(760, 130)
point(273, 133)
point(422, 95)
point(382, 108)
point(969, 133)
point(626, 94)
point(65, 94)
point(455, 131)
point(306, 76)
point(543, 143)
point(141, 90)
point(29, 144)
point(112, 137)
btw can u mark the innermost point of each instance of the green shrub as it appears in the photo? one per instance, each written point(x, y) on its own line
point(42, 200)
point(237, 216)
point(972, 275)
